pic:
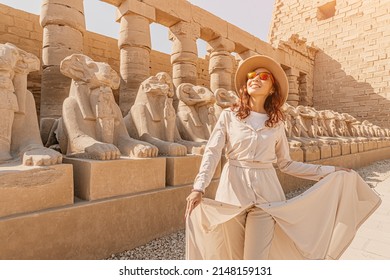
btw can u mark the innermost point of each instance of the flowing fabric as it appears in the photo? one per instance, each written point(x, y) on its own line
point(318, 224)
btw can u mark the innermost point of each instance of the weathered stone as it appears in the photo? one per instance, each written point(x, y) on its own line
point(62, 14)
point(19, 131)
point(195, 113)
point(135, 44)
point(152, 118)
point(136, 7)
point(62, 36)
point(183, 170)
point(26, 189)
point(92, 125)
point(95, 179)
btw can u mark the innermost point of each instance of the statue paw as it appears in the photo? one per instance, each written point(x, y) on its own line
point(144, 151)
point(41, 157)
point(198, 150)
point(176, 149)
point(102, 151)
point(5, 156)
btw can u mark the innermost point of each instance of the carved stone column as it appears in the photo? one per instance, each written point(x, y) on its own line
point(135, 46)
point(184, 52)
point(293, 95)
point(63, 24)
point(221, 63)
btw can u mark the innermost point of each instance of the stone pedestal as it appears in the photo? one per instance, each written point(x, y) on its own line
point(361, 147)
point(374, 145)
point(345, 148)
point(183, 170)
point(311, 153)
point(336, 150)
point(354, 148)
point(325, 151)
point(26, 189)
point(296, 154)
point(94, 179)
point(367, 145)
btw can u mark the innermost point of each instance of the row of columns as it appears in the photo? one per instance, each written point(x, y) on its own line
point(64, 27)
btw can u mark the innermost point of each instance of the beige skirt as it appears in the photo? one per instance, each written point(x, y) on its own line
point(318, 224)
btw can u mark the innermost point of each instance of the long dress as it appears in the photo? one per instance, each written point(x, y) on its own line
point(318, 224)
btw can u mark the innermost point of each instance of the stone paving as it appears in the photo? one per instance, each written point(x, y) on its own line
point(372, 241)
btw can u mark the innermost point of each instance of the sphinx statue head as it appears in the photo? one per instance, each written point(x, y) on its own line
point(19, 130)
point(92, 125)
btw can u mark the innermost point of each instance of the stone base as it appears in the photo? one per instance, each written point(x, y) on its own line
point(361, 147)
point(345, 148)
point(96, 179)
point(27, 189)
point(336, 150)
point(183, 170)
point(96, 229)
point(296, 153)
point(354, 148)
point(370, 145)
point(311, 153)
point(325, 151)
point(85, 230)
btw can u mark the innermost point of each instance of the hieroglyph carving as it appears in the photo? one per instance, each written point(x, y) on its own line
point(19, 130)
point(92, 125)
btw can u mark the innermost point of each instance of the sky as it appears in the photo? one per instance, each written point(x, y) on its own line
point(253, 16)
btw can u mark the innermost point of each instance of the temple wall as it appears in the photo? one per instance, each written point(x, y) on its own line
point(351, 70)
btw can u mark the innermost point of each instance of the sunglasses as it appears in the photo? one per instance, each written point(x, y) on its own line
point(262, 75)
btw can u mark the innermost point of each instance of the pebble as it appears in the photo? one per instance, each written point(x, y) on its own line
point(172, 246)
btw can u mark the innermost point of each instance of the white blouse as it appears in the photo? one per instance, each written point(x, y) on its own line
point(250, 141)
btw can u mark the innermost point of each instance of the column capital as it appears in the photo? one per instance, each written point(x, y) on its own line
point(183, 28)
point(221, 44)
point(292, 72)
point(136, 7)
point(244, 55)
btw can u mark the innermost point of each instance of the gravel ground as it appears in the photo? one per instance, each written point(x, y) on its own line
point(172, 247)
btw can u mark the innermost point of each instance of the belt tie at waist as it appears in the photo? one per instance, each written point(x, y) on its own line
point(250, 164)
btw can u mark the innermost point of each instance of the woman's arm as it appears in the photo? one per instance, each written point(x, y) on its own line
point(210, 160)
point(212, 154)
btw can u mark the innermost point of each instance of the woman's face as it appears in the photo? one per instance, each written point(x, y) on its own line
point(257, 86)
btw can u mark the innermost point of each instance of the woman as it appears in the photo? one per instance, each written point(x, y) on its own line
point(250, 223)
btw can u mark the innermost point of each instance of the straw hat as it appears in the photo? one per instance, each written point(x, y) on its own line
point(261, 61)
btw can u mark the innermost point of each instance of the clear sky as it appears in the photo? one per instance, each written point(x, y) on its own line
point(253, 16)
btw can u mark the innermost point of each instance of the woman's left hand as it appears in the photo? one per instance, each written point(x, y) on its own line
point(342, 169)
point(193, 200)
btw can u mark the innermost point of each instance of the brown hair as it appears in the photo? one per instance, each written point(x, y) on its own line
point(272, 105)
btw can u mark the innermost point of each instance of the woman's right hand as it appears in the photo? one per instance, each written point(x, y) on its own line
point(193, 200)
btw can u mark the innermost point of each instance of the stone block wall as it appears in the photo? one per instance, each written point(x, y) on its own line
point(351, 71)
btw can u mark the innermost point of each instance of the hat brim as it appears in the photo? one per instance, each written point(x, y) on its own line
point(261, 61)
